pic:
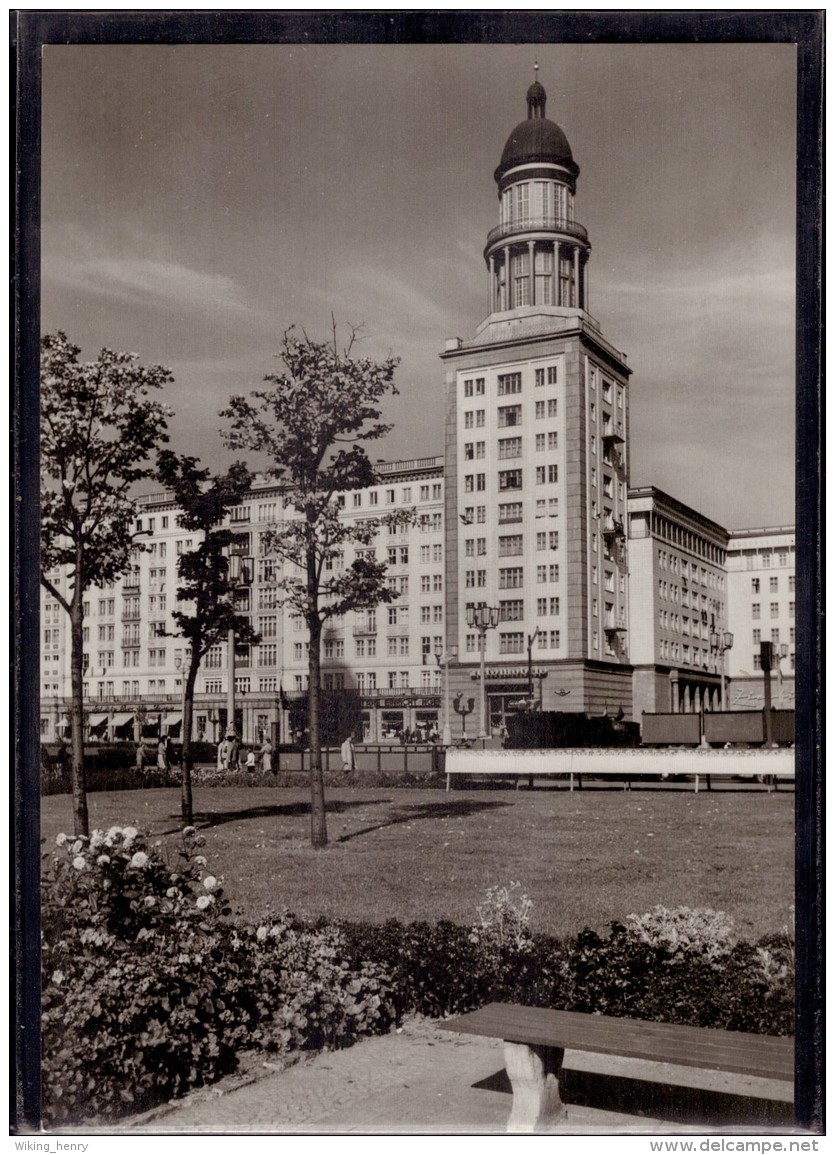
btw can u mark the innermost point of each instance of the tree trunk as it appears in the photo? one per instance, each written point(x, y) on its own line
point(186, 806)
point(81, 819)
point(318, 825)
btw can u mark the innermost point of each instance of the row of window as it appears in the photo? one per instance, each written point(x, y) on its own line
point(511, 479)
point(511, 447)
point(774, 610)
point(431, 492)
point(756, 658)
point(508, 416)
point(680, 623)
point(761, 559)
point(756, 636)
point(773, 585)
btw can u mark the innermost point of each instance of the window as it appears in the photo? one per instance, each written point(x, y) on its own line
point(791, 583)
point(510, 382)
point(757, 665)
point(357, 499)
point(553, 474)
point(755, 585)
point(424, 583)
point(510, 545)
point(437, 582)
point(539, 377)
point(479, 387)
point(509, 415)
point(424, 493)
point(539, 476)
point(334, 648)
point(552, 407)
point(511, 577)
point(267, 655)
point(509, 479)
point(468, 389)
point(755, 611)
point(791, 609)
point(508, 447)
point(775, 637)
point(511, 611)
point(539, 445)
point(539, 410)
point(480, 484)
point(481, 514)
point(772, 585)
point(554, 639)
point(775, 609)
point(553, 440)
point(437, 552)
point(479, 418)
point(791, 635)
point(468, 424)
point(511, 643)
point(510, 511)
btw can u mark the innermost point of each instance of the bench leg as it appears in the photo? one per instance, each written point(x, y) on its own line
point(534, 1076)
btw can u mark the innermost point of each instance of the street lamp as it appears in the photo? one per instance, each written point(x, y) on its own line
point(180, 667)
point(482, 617)
point(239, 574)
point(444, 657)
point(720, 643)
point(531, 639)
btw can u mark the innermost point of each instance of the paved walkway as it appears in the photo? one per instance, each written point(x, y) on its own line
point(418, 1080)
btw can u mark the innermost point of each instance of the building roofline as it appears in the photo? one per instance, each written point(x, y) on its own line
point(762, 531)
point(661, 496)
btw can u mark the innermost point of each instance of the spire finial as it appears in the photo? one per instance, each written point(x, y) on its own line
point(536, 96)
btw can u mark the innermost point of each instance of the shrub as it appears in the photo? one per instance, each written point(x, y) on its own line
point(183, 989)
point(682, 931)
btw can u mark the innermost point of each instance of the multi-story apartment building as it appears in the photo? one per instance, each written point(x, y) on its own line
point(761, 599)
point(134, 660)
point(536, 449)
point(677, 604)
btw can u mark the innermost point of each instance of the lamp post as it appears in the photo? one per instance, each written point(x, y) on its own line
point(531, 639)
point(180, 667)
point(463, 706)
point(482, 617)
point(444, 657)
point(720, 643)
point(240, 575)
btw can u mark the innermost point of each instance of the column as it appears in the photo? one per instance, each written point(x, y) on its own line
point(586, 283)
point(532, 273)
point(508, 290)
point(557, 278)
point(493, 294)
point(576, 301)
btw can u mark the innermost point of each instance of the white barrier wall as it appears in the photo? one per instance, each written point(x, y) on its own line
point(675, 760)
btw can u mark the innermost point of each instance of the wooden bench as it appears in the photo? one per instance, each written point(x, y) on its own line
point(535, 1041)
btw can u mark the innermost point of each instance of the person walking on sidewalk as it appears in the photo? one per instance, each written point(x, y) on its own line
point(349, 760)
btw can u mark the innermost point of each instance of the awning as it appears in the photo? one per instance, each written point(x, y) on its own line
point(96, 721)
point(173, 721)
point(120, 720)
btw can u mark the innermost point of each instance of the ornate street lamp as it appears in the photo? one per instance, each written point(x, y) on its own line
point(463, 706)
point(482, 617)
point(720, 643)
point(444, 657)
point(240, 576)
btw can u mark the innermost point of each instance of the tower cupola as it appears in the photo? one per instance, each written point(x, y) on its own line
point(537, 255)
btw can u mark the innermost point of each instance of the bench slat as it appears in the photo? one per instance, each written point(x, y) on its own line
point(734, 1051)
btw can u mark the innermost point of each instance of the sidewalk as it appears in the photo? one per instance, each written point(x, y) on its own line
point(420, 1080)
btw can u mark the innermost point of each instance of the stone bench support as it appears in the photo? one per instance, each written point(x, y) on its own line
point(534, 1075)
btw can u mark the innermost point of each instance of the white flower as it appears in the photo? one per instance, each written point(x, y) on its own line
point(172, 892)
point(139, 860)
point(150, 900)
point(187, 830)
point(96, 839)
point(77, 846)
point(103, 859)
point(58, 977)
point(200, 860)
point(203, 901)
point(261, 933)
point(210, 882)
point(60, 839)
point(112, 832)
point(129, 833)
point(79, 862)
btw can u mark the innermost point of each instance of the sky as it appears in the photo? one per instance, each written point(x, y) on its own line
point(198, 200)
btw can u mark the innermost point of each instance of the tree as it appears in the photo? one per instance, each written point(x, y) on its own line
point(204, 576)
point(311, 423)
point(99, 424)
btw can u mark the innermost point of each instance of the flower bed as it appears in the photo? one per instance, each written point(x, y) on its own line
point(151, 989)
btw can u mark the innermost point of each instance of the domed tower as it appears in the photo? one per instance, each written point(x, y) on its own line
point(537, 456)
point(537, 254)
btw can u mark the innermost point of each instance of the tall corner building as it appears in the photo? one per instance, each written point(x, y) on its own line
point(536, 449)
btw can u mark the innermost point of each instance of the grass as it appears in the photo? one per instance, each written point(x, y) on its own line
point(584, 858)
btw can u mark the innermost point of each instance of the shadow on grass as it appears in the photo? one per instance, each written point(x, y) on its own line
point(205, 821)
point(460, 808)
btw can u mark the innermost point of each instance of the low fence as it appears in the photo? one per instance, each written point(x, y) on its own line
point(393, 759)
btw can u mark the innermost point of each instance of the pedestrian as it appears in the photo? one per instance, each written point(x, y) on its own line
point(234, 754)
point(250, 762)
point(163, 764)
point(267, 756)
point(349, 761)
point(223, 755)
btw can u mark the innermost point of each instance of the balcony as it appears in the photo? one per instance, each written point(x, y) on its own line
point(362, 630)
point(546, 223)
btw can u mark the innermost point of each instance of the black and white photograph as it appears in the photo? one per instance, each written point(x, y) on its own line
point(418, 690)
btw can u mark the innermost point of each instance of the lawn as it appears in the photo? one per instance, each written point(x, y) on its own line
point(584, 858)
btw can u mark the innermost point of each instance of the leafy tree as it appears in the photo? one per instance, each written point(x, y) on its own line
point(311, 423)
point(204, 576)
point(99, 423)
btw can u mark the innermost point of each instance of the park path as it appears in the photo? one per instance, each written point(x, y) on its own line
point(419, 1079)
